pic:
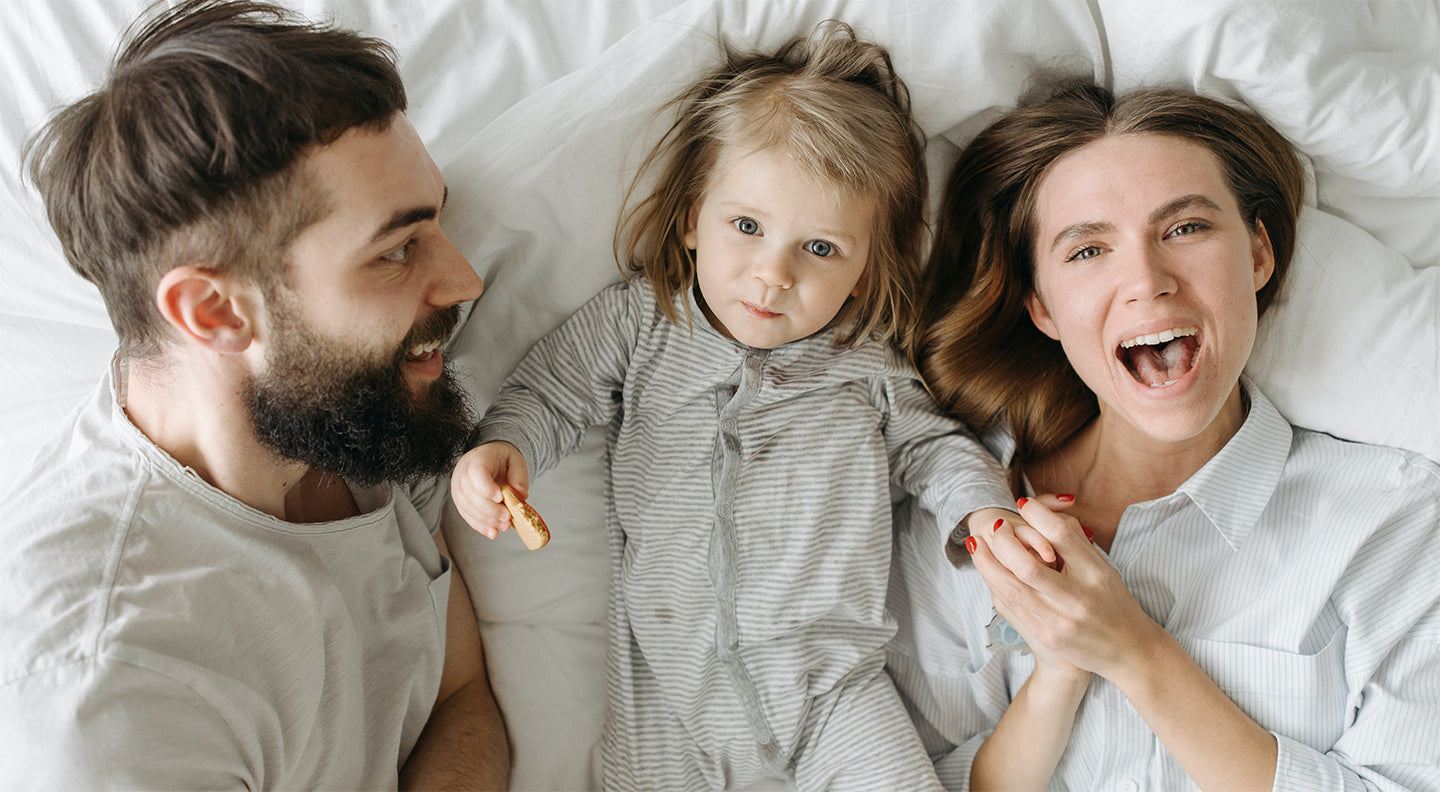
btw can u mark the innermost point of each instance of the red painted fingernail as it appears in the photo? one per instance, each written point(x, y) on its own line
point(998, 523)
point(1020, 504)
point(1089, 534)
point(970, 544)
point(1066, 498)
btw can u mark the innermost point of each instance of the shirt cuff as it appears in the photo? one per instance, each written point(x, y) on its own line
point(1300, 768)
point(492, 430)
point(954, 768)
point(969, 501)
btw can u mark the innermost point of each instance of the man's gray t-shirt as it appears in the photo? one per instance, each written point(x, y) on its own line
point(158, 633)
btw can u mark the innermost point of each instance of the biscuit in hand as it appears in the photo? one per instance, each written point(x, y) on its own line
point(526, 520)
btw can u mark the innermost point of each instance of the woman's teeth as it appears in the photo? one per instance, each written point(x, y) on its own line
point(1160, 359)
point(1161, 337)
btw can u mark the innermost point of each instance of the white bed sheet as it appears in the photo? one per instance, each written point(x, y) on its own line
point(537, 110)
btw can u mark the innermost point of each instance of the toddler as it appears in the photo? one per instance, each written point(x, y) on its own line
point(758, 419)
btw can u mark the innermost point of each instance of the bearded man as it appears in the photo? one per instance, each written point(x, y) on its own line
point(222, 572)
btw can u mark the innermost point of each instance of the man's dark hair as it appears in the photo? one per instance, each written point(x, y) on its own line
point(188, 151)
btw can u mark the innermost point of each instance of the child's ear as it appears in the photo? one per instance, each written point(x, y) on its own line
point(1040, 315)
point(691, 218)
point(208, 308)
point(860, 284)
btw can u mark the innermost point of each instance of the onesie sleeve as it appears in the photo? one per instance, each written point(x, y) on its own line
point(107, 724)
point(935, 458)
point(571, 380)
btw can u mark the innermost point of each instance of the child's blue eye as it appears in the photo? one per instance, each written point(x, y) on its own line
point(746, 225)
point(819, 247)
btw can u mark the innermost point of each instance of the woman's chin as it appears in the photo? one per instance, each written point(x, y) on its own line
point(1177, 410)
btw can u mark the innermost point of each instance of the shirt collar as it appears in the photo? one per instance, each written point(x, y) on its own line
point(1233, 488)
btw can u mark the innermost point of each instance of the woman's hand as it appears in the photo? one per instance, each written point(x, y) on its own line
point(1078, 611)
point(984, 521)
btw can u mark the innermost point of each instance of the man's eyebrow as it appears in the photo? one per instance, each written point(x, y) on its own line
point(406, 217)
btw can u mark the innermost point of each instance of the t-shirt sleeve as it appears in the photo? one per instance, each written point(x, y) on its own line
point(108, 724)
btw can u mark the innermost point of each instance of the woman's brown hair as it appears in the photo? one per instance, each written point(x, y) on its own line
point(835, 104)
point(978, 350)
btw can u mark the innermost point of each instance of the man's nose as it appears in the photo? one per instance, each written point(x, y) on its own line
point(456, 281)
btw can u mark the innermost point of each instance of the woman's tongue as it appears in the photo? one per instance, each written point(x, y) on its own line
point(1161, 364)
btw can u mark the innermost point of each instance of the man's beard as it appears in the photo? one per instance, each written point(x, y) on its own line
point(345, 413)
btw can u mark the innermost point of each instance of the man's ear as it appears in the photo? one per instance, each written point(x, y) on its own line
point(1040, 315)
point(208, 308)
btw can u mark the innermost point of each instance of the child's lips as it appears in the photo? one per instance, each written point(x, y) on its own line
point(759, 312)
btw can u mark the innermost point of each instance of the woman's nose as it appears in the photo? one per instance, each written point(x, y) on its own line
point(1148, 275)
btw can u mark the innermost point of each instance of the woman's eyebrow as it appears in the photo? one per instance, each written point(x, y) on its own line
point(1165, 210)
point(1182, 203)
point(1080, 230)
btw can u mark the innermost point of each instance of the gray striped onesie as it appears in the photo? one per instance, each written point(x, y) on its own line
point(749, 532)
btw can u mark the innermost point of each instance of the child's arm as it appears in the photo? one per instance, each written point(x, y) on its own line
point(569, 381)
point(475, 485)
point(935, 457)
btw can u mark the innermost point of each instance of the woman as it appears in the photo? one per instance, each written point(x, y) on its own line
point(1235, 603)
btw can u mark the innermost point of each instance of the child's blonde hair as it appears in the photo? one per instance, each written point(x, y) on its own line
point(832, 102)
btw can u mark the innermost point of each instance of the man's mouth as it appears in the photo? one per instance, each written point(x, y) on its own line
point(1160, 359)
point(436, 328)
point(422, 352)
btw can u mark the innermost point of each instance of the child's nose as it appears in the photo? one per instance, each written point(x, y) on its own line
point(774, 270)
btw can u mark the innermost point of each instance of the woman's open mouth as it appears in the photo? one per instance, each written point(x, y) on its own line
point(1160, 359)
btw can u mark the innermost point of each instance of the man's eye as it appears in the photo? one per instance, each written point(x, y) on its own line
point(399, 254)
point(746, 226)
point(819, 247)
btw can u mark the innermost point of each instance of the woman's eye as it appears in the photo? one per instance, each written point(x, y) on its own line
point(819, 247)
point(1185, 229)
point(399, 254)
point(1087, 252)
point(746, 226)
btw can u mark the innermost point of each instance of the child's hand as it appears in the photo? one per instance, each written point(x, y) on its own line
point(475, 485)
point(982, 522)
point(986, 521)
